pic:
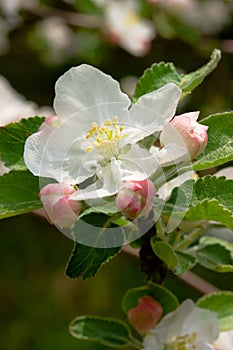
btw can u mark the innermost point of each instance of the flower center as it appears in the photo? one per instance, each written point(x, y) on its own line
point(104, 137)
point(184, 342)
point(132, 19)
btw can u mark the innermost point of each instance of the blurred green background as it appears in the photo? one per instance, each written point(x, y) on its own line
point(37, 300)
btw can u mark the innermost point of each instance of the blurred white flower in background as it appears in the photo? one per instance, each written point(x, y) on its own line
point(14, 106)
point(208, 16)
point(125, 27)
point(58, 38)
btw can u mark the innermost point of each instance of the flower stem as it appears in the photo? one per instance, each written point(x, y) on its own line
point(155, 269)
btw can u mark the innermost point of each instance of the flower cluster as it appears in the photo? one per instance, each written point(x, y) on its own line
point(188, 327)
point(94, 143)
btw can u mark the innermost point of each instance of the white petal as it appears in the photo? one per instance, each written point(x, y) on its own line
point(82, 120)
point(83, 87)
point(205, 346)
point(204, 323)
point(173, 154)
point(224, 341)
point(151, 343)
point(137, 163)
point(153, 110)
point(165, 190)
point(172, 324)
point(57, 154)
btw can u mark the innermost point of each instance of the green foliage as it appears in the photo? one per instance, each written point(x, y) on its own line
point(222, 304)
point(163, 73)
point(165, 252)
point(106, 331)
point(209, 198)
point(86, 261)
point(12, 140)
point(178, 261)
point(166, 298)
point(155, 77)
point(18, 193)
point(219, 149)
point(98, 229)
point(190, 81)
point(215, 257)
point(185, 262)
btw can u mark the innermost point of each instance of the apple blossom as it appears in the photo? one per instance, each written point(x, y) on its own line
point(60, 210)
point(185, 130)
point(146, 314)
point(188, 327)
point(136, 198)
point(96, 142)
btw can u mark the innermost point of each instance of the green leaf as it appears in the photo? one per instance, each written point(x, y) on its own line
point(219, 149)
point(86, 261)
point(106, 331)
point(155, 77)
point(97, 229)
point(185, 262)
point(167, 300)
point(12, 140)
point(208, 198)
point(190, 81)
point(207, 240)
point(178, 261)
point(162, 73)
point(222, 304)
point(215, 257)
point(165, 252)
point(18, 193)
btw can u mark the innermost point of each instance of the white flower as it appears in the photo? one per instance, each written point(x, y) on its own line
point(188, 327)
point(96, 142)
point(126, 28)
point(224, 341)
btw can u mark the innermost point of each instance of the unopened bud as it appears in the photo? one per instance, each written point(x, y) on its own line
point(145, 315)
point(136, 198)
point(184, 130)
point(52, 121)
point(60, 210)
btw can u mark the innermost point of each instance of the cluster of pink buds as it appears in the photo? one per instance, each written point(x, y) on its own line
point(60, 210)
point(184, 130)
point(145, 315)
point(136, 198)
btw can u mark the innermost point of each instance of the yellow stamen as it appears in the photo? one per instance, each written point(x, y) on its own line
point(88, 149)
point(101, 135)
point(108, 122)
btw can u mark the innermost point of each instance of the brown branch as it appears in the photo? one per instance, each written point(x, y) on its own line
point(188, 277)
point(72, 18)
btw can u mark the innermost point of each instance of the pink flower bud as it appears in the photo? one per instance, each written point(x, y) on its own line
point(60, 210)
point(136, 198)
point(52, 121)
point(185, 131)
point(145, 315)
